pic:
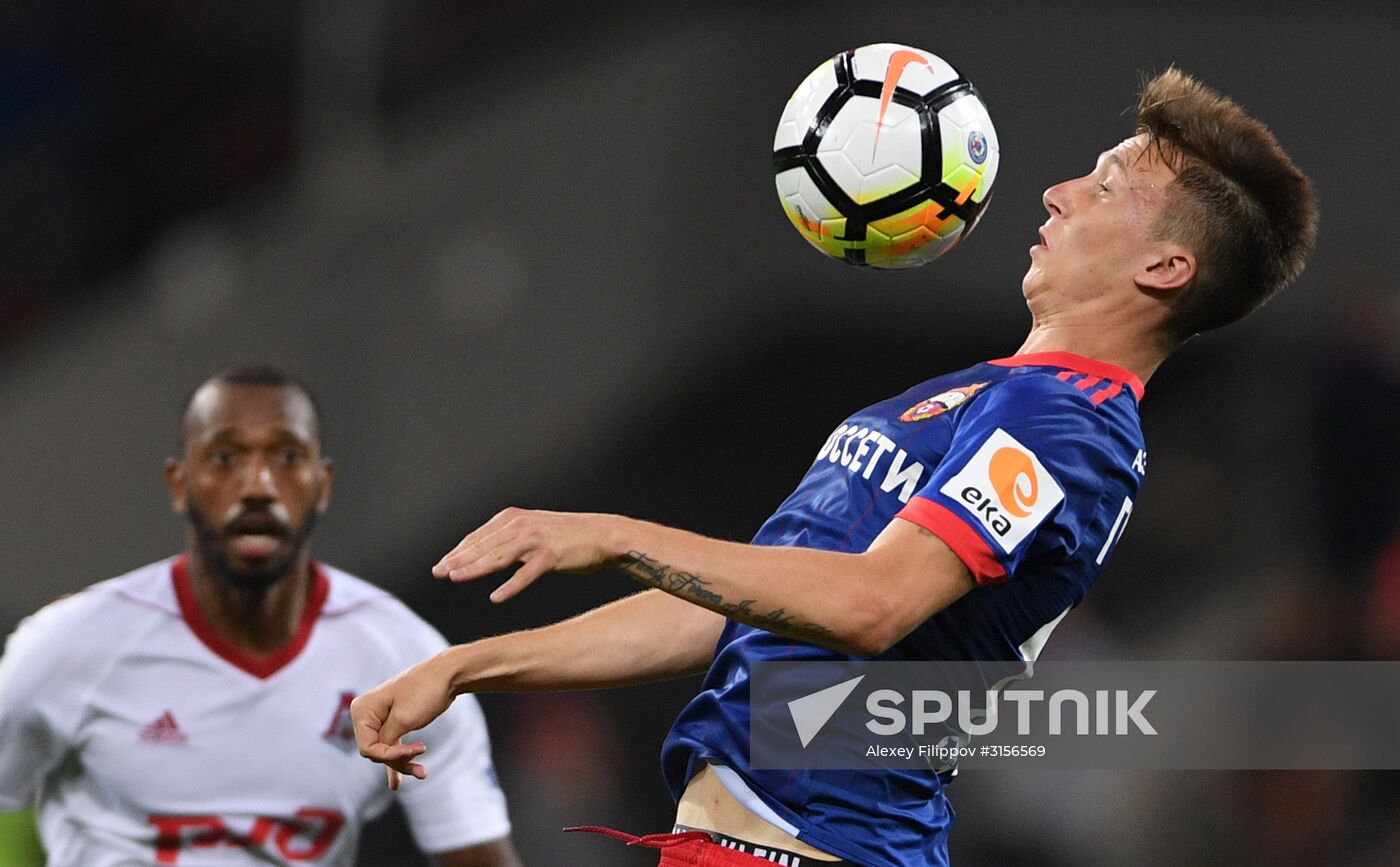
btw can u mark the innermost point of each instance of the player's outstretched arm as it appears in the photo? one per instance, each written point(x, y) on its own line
point(854, 603)
point(645, 637)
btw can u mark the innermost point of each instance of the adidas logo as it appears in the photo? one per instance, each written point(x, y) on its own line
point(164, 731)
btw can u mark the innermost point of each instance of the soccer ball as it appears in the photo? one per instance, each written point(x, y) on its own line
point(885, 156)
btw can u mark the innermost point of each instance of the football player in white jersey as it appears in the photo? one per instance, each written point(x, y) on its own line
point(196, 711)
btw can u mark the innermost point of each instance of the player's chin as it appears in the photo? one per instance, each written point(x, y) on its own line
point(261, 570)
point(1030, 282)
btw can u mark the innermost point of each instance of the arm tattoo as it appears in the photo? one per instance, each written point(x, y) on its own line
point(779, 620)
point(688, 585)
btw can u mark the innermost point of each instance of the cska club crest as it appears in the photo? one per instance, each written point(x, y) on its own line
point(941, 403)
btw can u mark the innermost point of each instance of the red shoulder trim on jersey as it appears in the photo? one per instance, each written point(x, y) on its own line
point(264, 667)
point(1104, 394)
point(1070, 361)
point(971, 548)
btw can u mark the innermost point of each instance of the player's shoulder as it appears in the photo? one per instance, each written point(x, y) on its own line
point(349, 594)
point(352, 600)
point(145, 591)
point(95, 619)
point(1037, 395)
point(1064, 410)
point(1065, 389)
point(1089, 395)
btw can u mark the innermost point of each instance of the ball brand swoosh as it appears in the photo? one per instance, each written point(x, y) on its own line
point(893, 71)
point(1013, 478)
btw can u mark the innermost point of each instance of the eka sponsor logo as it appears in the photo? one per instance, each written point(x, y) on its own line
point(1006, 488)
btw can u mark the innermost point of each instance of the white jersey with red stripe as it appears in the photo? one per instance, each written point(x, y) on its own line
point(143, 738)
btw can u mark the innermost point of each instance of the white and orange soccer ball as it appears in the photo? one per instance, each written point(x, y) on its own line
point(885, 156)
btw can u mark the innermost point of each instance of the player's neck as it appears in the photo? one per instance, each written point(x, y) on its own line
point(1105, 321)
point(258, 621)
point(1136, 353)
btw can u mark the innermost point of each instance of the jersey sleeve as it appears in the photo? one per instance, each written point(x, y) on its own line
point(460, 804)
point(1024, 476)
point(39, 703)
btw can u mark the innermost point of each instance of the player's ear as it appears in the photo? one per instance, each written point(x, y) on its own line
point(1172, 267)
point(175, 481)
point(327, 476)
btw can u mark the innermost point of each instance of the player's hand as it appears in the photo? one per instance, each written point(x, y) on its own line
point(540, 541)
point(405, 703)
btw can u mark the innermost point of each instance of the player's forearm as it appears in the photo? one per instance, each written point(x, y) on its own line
point(647, 637)
point(832, 599)
point(853, 603)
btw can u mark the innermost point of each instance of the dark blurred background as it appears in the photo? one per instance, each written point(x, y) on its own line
point(529, 253)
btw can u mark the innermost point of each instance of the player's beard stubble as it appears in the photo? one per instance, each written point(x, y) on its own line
point(213, 543)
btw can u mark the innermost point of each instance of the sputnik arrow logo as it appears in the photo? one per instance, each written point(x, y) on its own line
point(811, 712)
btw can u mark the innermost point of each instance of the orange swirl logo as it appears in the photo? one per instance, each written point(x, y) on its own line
point(1013, 478)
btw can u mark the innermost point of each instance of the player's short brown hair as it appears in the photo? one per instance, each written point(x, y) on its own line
point(1238, 202)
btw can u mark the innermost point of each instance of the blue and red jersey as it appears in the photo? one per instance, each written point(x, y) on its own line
point(1026, 467)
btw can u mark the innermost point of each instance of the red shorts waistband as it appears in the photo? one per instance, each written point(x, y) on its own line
point(698, 849)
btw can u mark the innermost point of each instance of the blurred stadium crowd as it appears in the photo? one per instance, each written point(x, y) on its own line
point(528, 254)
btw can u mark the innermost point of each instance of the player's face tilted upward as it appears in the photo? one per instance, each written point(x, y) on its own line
point(252, 480)
point(1100, 235)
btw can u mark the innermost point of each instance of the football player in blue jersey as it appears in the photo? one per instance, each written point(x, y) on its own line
point(961, 519)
